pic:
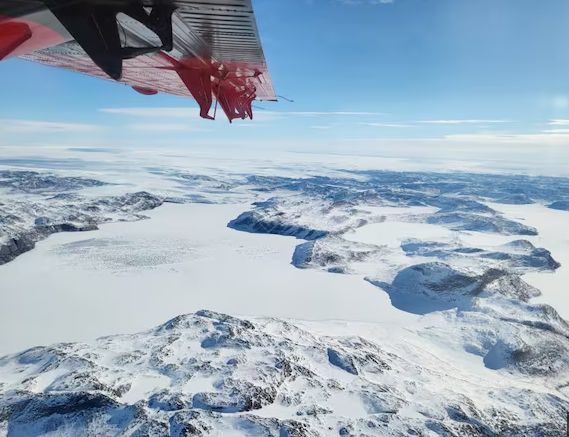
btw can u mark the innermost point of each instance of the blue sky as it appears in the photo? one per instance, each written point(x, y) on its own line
point(456, 70)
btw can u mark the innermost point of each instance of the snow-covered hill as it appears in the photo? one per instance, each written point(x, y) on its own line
point(562, 205)
point(211, 374)
point(518, 255)
point(483, 359)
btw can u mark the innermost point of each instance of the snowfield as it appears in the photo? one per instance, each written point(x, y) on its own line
point(213, 374)
point(129, 277)
point(554, 235)
point(280, 300)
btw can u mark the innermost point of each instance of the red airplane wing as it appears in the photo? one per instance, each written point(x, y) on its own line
point(200, 49)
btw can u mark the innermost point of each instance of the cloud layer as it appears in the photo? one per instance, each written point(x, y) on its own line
point(258, 115)
point(396, 125)
point(7, 125)
point(463, 121)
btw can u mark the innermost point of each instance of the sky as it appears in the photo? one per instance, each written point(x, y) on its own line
point(363, 74)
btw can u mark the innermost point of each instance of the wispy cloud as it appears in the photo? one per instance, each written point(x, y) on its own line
point(396, 125)
point(559, 122)
point(329, 113)
point(258, 115)
point(155, 112)
point(7, 125)
point(543, 139)
point(185, 113)
point(474, 121)
point(162, 127)
point(556, 131)
point(321, 127)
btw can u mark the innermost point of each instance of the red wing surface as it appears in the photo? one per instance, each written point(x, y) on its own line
point(202, 49)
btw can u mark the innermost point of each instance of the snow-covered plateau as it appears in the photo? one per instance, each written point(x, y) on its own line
point(282, 301)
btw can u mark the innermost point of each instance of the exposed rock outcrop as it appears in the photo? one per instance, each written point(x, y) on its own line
point(162, 382)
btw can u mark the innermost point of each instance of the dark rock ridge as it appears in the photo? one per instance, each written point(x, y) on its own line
point(22, 229)
point(333, 254)
point(480, 223)
point(519, 255)
point(539, 258)
point(269, 365)
point(189, 198)
point(562, 205)
point(302, 217)
point(26, 242)
point(515, 199)
point(257, 222)
point(442, 282)
point(34, 182)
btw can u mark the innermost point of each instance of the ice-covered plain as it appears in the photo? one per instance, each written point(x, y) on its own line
point(126, 278)
point(363, 302)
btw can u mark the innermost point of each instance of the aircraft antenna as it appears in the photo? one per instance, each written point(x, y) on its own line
point(288, 100)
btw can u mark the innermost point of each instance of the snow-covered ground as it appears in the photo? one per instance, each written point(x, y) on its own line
point(393, 233)
point(369, 303)
point(213, 374)
point(552, 225)
point(130, 277)
point(553, 229)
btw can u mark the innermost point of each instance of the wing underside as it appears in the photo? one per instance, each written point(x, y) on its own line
point(211, 48)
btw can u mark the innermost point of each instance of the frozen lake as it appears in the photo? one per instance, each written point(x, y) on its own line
point(128, 277)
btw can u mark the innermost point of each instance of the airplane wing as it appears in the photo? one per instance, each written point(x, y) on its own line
point(203, 49)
